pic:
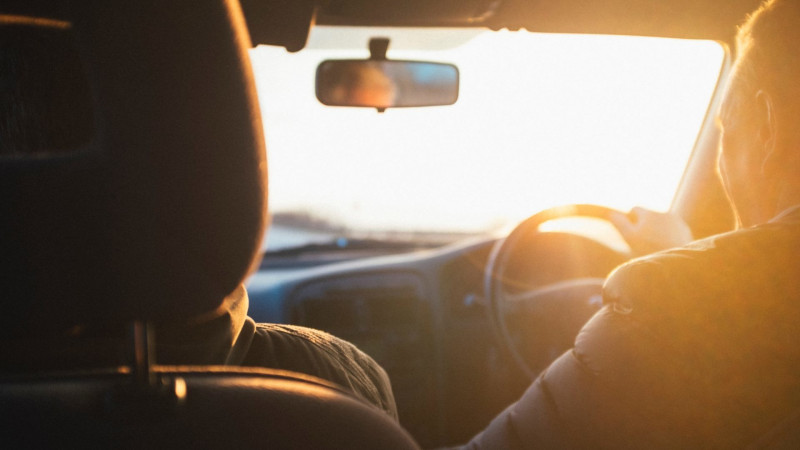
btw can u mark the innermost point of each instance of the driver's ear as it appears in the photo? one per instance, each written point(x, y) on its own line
point(766, 126)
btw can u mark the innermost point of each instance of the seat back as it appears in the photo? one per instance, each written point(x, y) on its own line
point(221, 408)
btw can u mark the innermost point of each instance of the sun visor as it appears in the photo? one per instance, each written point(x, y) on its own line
point(689, 19)
point(406, 12)
point(278, 22)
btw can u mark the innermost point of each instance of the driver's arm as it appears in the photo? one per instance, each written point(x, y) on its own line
point(649, 231)
point(623, 384)
point(583, 400)
point(696, 347)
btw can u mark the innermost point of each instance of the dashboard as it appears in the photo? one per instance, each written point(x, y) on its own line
point(422, 316)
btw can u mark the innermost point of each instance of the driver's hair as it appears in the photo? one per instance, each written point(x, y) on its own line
point(768, 58)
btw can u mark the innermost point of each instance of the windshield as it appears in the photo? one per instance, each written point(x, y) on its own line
point(541, 120)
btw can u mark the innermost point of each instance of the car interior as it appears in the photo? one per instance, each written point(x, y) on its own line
point(136, 155)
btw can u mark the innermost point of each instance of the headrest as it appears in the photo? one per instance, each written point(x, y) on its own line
point(132, 163)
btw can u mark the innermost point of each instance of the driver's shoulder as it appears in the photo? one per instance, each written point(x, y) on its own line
point(736, 264)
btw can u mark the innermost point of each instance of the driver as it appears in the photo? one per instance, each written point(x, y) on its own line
point(696, 346)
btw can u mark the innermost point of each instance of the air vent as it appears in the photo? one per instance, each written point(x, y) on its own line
point(376, 303)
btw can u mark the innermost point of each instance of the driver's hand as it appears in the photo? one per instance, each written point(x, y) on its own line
point(650, 231)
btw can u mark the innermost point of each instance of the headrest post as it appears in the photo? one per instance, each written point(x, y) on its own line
point(148, 389)
point(142, 343)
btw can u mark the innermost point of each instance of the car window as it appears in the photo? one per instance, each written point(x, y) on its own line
point(541, 120)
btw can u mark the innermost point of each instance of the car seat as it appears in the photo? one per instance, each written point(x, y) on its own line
point(133, 193)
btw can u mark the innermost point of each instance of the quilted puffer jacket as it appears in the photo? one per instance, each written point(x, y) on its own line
point(696, 347)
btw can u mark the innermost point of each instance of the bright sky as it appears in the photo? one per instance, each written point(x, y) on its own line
point(541, 120)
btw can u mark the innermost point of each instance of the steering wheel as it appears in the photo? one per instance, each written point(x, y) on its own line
point(564, 304)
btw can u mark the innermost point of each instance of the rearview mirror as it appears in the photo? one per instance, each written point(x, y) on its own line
point(386, 83)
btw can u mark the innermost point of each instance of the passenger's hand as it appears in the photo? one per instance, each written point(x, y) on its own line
point(650, 231)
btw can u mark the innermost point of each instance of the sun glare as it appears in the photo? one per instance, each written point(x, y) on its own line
point(541, 120)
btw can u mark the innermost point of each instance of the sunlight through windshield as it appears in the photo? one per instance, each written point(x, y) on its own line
point(541, 120)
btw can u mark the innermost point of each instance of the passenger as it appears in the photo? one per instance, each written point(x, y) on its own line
point(697, 346)
point(234, 339)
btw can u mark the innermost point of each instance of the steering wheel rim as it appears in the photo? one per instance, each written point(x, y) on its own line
point(496, 268)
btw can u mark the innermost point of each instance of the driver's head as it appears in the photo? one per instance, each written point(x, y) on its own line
point(759, 117)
